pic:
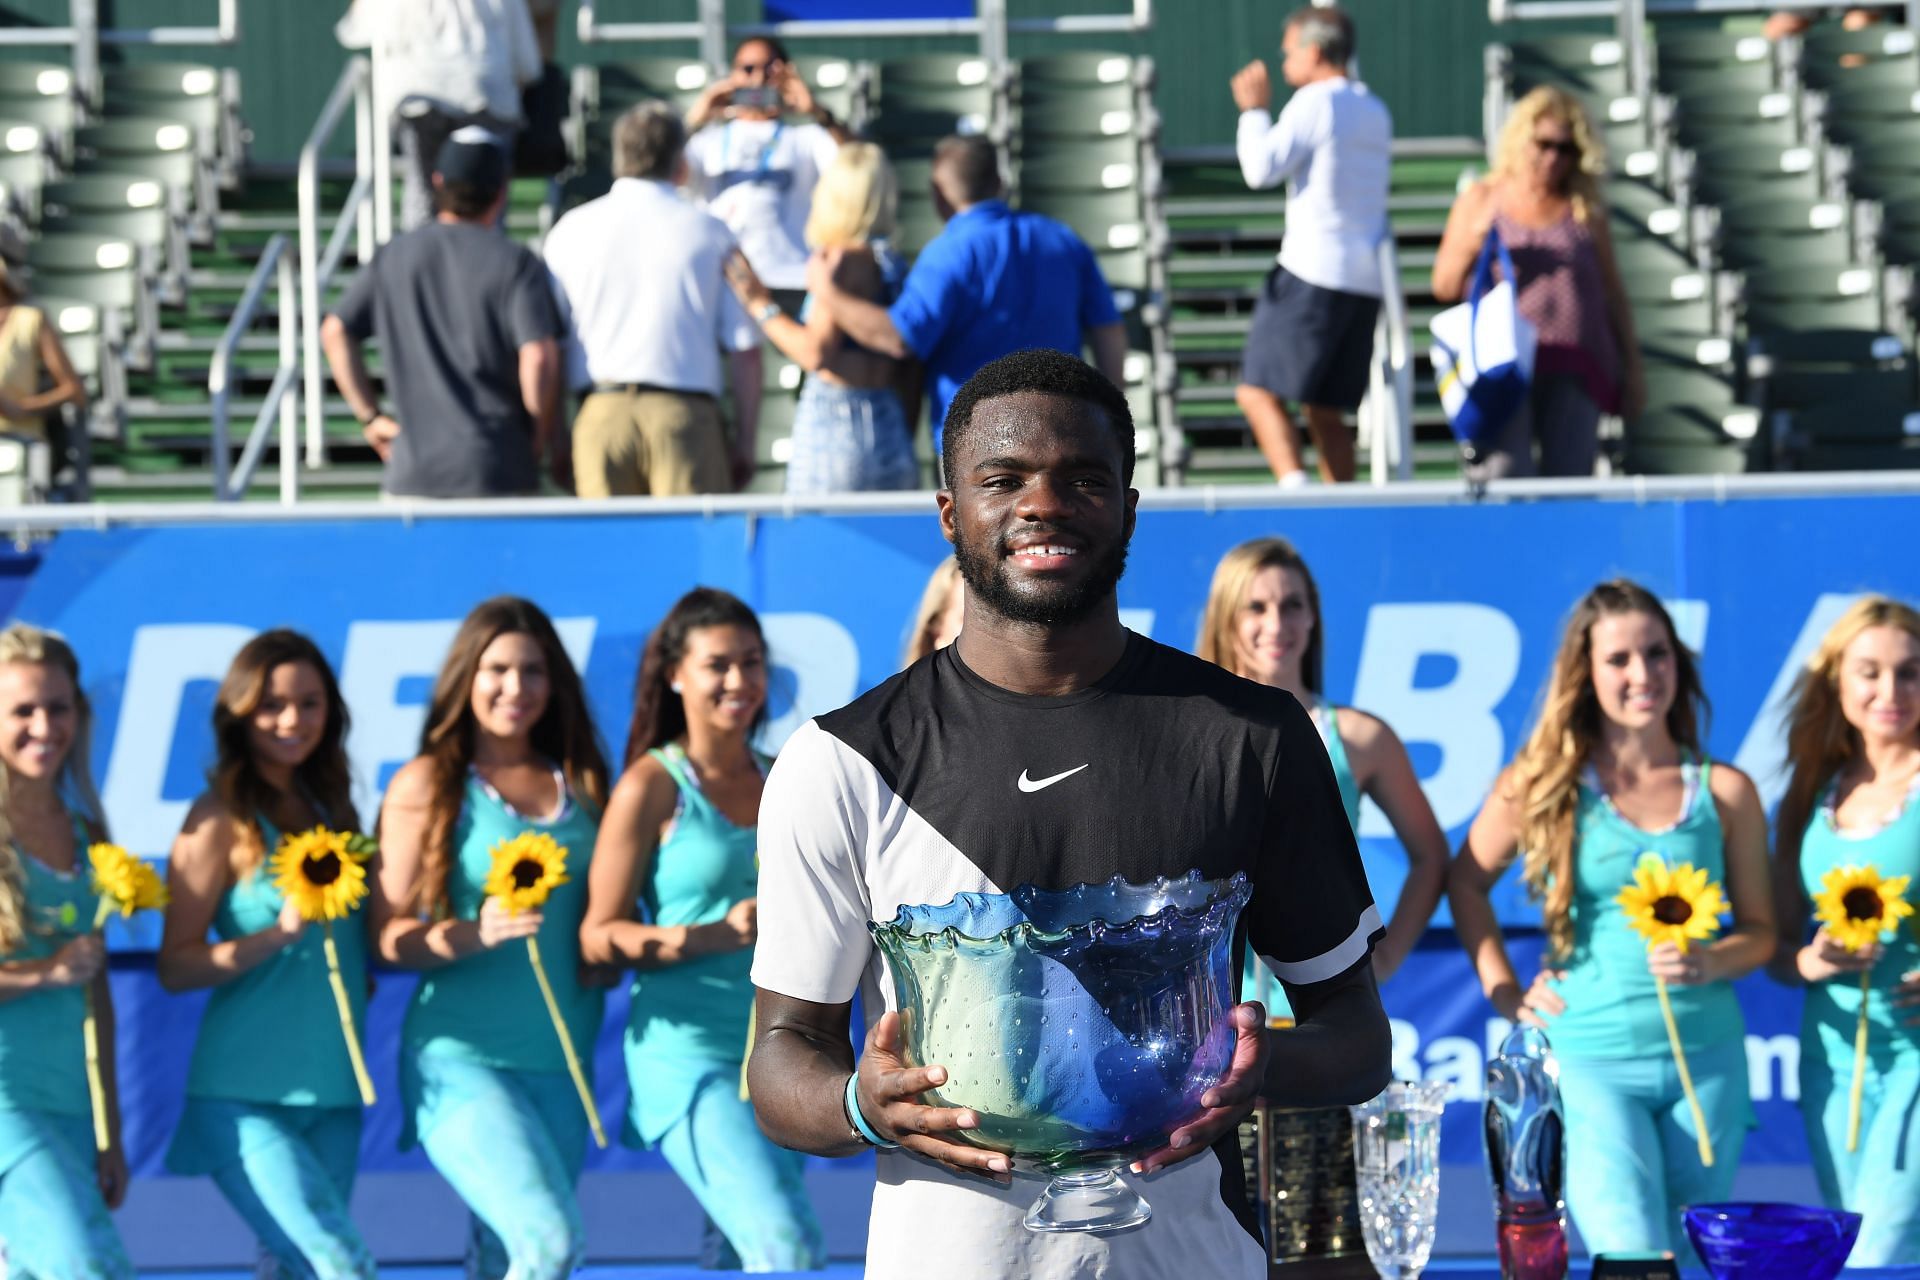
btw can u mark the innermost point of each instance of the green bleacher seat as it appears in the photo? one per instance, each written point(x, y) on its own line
point(1710, 115)
point(1075, 111)
point(1832, 55)
point(1884, 167)
point(157, 148)
point(1084, 68)
point(917, 101)
point(1694, 422)
point(1729, 171)
point(612, 87)
point(42, 94)
point(1813, 297)
point(1865, 368)
point(1765, 232)
point(204, 98)
point(1851, 114)
point(1593, 68)
point(838, 84)
point(25, 166)
point(1685, 77)
point(1082, 167)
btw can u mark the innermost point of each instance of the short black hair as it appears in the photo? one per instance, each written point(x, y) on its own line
point(1047, 372)
point(774, 47)
point(967, 168)
point(464, 200)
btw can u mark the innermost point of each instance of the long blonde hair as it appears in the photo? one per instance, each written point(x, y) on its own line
point(933, 603)
point(1232, 580)
point(1548, 102)
point(855, 200)
point(25, 644)
point(1820, 741)
point(1545, 779)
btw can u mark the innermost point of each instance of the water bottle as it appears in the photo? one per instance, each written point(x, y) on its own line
point(1526, 1156)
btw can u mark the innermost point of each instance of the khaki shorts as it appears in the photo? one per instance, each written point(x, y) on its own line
point(658, 443)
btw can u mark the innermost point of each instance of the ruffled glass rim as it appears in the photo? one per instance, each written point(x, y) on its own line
point(1226, 895)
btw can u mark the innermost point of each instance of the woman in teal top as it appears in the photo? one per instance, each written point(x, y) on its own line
point(1262, 621)
point(1613, 773)
point(273, 1110)
point(508, 748)
point(1853, 800)
point(55, 1188)
point(678, 841)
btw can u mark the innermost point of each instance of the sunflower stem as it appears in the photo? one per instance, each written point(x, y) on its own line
point(96, 1082)
point(345, 1006)
point(566, 1045)
point(102, 912)
point(1859, 1065)
point(744, 1096)
point(1686, 1077)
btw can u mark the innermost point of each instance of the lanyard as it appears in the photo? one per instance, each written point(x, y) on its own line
point(766, 153)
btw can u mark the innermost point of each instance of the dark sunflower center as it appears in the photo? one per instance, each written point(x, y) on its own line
point(1862, 904)
point(1672, 910)
point(323, 870)
point(527, 873)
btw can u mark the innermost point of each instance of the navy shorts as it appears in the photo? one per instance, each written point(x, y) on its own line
point(1308, 344)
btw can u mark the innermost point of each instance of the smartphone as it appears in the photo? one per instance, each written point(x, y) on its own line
point(761, 97)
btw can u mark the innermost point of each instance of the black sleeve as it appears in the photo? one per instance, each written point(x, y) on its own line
point(532, 314)
point(355, 308)
point(1312, 917)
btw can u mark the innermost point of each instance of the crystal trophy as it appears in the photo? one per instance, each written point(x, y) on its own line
point(1082, 1025)
point(1526, 1155)
point(1396, 1164)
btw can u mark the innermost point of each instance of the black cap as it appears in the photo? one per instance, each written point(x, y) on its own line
point(473, 157)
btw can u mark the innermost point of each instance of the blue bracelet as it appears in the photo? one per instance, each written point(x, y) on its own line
point(858, 1121)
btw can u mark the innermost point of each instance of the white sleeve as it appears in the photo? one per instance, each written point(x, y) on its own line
point(699, 182)
point(821, 147)
point(813, 903)
point(1270, 153)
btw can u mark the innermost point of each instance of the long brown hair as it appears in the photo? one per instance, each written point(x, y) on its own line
point(324, 777)
point(1820, 741)
point(1545, 782)
point(1232, 580)
point(30, 645)
point(564, 733)
point(659, 714)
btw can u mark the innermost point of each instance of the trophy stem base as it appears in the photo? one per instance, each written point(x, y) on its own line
point(1092, 1200)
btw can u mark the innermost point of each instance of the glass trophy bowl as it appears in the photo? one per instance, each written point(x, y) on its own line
point(1758, 1241)
point(1082, 1025)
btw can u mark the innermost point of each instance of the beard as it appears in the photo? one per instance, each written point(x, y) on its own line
point(1043, 603)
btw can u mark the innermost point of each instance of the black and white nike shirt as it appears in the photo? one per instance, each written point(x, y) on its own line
point(939, 782)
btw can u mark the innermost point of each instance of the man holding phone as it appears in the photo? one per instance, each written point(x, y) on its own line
point(753, 167)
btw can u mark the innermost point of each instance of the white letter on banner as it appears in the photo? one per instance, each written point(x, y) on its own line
point(1763, 755)
point(165, 659)
point(1762, 1053)
point(1138, 621)
point(381, 654)
point(1458, 716)
point(1689, 622)
point(1406, 1049)
point(824, 662)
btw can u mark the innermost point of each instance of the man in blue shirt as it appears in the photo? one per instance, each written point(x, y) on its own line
point(994, 281)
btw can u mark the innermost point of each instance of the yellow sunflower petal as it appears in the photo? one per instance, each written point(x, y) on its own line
point(320, 873)
point(1676, 904)
point(525, 871)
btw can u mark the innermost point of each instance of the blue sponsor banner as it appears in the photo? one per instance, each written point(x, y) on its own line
point(1442, 619)
point(864, 10)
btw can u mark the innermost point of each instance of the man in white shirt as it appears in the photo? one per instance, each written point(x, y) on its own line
point(753, 169)
point(639, 274)
point(1312, 332)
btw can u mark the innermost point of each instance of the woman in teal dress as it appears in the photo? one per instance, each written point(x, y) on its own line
point(55, 1188)
point(508, 748)
point(678, 842)
point(1613, 772)
point(273, 1109)
point(1262, 622)
point(1853, 800)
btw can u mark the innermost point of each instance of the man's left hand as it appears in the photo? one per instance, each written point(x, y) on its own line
point(1226, 1104)
point(794, 91)
point(1252, 91)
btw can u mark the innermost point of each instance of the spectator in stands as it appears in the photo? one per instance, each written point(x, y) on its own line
point(640, 272)
point(1613, 772)
point(680, 838)
point(1311, 340)
point(470, 335)
point(1797, 22)
point(943, 607)
point(441, 65)
point(1853, 800)
point(996, 280)
point(850, 431)
point(55, 1188)
point(753, 170)
point(1543, 197)
point(273, 1111)
point(508, 749)
point(36, 377)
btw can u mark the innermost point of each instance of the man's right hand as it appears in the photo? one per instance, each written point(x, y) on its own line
point(1252, 91)
point(889, 1093)
point(713, 100)
point(381, 431)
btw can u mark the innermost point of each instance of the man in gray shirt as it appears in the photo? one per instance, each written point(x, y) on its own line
point(470, 334)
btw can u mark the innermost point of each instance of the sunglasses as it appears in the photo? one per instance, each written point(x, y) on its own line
point(1568, 149)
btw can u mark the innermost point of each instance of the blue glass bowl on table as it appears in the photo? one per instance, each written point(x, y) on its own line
point(1082, 1025)
point(1760, 1241)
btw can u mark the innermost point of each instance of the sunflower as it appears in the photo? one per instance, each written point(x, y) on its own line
point(124, 883)
point(525, 870)
point(323, 872)
point(1858, 905)
point(1672, 904)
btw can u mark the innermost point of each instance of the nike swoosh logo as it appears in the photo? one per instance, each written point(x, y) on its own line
point(1041, 784)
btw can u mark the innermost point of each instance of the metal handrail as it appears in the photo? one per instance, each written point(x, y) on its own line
point(229, 485)
point(1549, 10)
point(1390, 383)
point(361, 212)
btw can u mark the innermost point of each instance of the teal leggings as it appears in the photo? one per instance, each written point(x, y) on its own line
point(53, 1223)
point(1633, 1161)
point(289, 1172)
point(751, 1189)
point(1880, 1181)
point(512, 1144)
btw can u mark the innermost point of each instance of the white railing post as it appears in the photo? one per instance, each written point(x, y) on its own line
point(350, 87)
point(289, 408)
